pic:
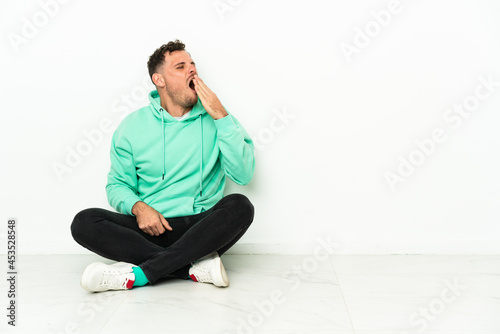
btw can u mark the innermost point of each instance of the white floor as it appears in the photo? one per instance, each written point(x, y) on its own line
point(344, 294)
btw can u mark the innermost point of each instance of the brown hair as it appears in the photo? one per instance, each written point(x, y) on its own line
point(158, 57)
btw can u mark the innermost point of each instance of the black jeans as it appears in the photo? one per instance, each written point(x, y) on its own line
point(117, 236)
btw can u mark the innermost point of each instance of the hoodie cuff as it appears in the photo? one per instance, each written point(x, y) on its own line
point(128, 203)
point(225, 124)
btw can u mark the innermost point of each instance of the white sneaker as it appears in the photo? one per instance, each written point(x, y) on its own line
point(98, 277)
point(209, 269)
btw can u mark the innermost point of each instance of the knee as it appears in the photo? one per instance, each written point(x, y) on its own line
point(81, 222)
point(242, 206)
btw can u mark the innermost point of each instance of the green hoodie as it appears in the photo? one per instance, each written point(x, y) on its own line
point(176, 167)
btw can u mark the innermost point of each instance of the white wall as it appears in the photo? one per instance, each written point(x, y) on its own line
point(328, 126)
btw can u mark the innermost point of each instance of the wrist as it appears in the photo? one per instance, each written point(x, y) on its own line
point(138, 208)
point(220, 114)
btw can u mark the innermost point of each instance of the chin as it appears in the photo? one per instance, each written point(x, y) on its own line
point(192, 100)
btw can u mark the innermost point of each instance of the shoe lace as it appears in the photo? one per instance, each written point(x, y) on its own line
point(202, 273)
point(114, 278)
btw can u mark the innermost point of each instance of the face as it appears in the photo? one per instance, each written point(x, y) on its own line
point(176, 78)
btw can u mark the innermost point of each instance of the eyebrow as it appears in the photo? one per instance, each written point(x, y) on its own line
point(183, 62)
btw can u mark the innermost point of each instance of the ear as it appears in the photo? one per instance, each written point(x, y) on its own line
point(158, 80)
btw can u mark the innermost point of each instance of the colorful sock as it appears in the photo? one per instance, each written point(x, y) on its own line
point(140, 278)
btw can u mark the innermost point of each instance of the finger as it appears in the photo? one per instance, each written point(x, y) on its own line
point(165, 223)
point(205, 101)
point(199, 90)
point(207, 89)
point(160, 229)
point(145, 228)
point(201, 85)
point(198, 79)
point(148, 231)
point(205, 97)
point(151, 229)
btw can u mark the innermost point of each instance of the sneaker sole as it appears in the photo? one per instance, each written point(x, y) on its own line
point(222, 280)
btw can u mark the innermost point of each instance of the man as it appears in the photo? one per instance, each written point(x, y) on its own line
point(169, 161)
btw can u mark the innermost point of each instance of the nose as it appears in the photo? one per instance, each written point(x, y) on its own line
point(192, 69)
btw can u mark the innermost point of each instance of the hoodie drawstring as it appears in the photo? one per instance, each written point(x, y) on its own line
point(163, 134)
point(201, 158)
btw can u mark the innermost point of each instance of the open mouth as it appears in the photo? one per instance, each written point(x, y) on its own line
point(191, 84)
